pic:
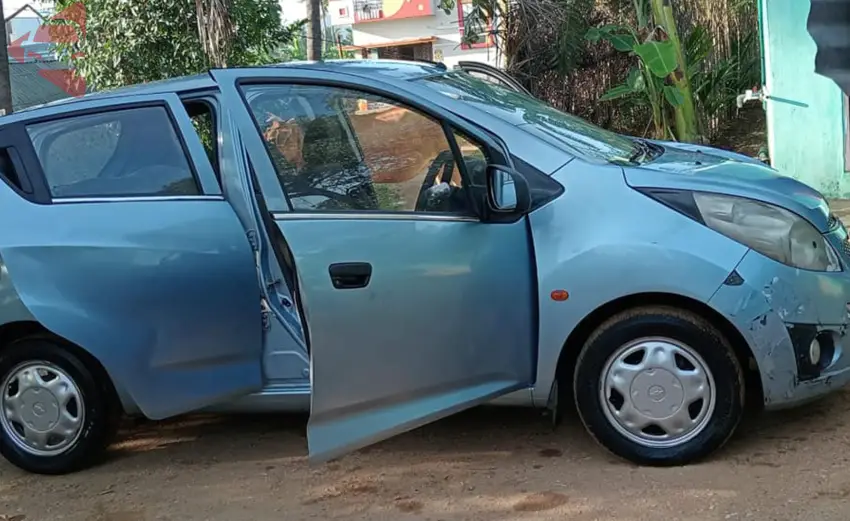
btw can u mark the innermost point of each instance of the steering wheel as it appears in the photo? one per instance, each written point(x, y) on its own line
point(357, 197)
point(444, 160)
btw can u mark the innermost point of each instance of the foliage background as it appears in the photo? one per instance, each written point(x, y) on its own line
point(727, 51)
point(544, 44)
point(133, 41)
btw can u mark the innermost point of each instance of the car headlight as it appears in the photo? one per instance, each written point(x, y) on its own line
point(770, 230)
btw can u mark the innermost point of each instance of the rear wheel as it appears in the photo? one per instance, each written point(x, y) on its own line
point(56, 415)
point(659, 386)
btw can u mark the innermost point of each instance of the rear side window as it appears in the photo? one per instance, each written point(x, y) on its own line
point(120, 153)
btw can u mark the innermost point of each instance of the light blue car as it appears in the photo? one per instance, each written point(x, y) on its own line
point(388, 243)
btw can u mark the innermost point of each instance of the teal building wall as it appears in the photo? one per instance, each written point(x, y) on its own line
point(806, 112)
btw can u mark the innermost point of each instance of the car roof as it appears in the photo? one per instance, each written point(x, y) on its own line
point(389, 69)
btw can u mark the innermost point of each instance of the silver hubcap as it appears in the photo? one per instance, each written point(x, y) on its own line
point(43, 411)
point(657, 392)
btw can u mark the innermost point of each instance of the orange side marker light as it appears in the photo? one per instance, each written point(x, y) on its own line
point(559, 295)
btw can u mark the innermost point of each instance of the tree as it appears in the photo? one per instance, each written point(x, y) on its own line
point(685, 114)
point(314, 30)
point(215, 29)
point(133, 42)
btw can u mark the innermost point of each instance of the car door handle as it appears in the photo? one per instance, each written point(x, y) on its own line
point(350, 275)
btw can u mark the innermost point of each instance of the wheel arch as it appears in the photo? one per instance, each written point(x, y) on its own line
point(579, 335)
point(11, 332)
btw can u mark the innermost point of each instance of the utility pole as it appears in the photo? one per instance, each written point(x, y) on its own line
point(314, 30)
point(5, 82)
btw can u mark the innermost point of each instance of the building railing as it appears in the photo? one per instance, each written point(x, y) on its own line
point(368, 10)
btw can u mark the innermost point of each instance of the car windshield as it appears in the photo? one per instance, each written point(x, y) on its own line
point(583, 138)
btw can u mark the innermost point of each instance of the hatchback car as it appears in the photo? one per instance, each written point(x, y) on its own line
point(385, 244)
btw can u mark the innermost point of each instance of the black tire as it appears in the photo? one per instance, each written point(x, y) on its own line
point(102, 411)
point(679, 325)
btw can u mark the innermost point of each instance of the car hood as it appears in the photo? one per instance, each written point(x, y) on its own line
point(706, 169)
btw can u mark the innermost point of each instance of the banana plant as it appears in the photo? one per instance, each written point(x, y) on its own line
point(660, 76)
point(656, 61)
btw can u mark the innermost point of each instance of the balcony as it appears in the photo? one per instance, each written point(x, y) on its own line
point(368, 10)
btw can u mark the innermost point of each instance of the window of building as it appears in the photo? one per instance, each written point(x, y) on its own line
point(476, 29)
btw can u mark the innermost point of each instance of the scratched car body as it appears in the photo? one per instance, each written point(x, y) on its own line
point(385, 243)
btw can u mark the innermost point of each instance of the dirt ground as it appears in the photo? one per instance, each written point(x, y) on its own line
point(487, 464)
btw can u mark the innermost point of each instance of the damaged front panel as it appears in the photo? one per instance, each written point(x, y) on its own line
point(780, 310)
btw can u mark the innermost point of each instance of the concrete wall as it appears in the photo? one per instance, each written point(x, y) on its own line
point(805, 111)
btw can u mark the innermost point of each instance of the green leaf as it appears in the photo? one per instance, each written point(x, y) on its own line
point(620, 91)
point(623, 42)
point(620, 37)
point(660, 57)
point(594, 34)
point(674, 95)
point(636, 80)
point(446, 5)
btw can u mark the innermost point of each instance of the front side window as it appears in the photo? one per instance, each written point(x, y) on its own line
point(337, 149)
point(119, 153)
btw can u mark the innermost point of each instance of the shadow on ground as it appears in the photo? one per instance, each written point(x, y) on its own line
point(480, 432)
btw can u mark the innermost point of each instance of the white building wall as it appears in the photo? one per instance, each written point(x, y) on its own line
point(43, 6)
point(292, 11)
point(445, 27)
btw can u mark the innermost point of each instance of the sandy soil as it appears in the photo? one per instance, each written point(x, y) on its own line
point(487, 464)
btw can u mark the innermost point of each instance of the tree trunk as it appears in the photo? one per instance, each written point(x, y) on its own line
point(215, 30)
point(314, 30)
point(685, 114)
point(5, 81)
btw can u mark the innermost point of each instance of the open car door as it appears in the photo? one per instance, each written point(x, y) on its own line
point(493, 75)
point(411, 315)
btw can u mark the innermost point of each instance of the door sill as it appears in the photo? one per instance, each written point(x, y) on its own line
point(273, 398)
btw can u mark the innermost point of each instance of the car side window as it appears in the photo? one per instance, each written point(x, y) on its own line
point(203, 117)
point(337, 149)
point(118, 153)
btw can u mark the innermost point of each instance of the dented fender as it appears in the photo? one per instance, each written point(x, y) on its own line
point(764, 301)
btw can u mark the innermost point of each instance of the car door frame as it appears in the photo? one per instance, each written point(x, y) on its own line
point(239, 184)
point(245, 381)
point(501, 75)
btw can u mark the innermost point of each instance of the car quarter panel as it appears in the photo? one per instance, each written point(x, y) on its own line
point(163, 294)
point(160, 286)
point(601, 241)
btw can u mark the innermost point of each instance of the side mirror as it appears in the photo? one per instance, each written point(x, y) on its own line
point(507, 192)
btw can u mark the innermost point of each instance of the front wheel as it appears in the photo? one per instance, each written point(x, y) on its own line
point(659, 386)
point(56, 415)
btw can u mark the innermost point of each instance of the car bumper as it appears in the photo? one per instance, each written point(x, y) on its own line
point(779, 310)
